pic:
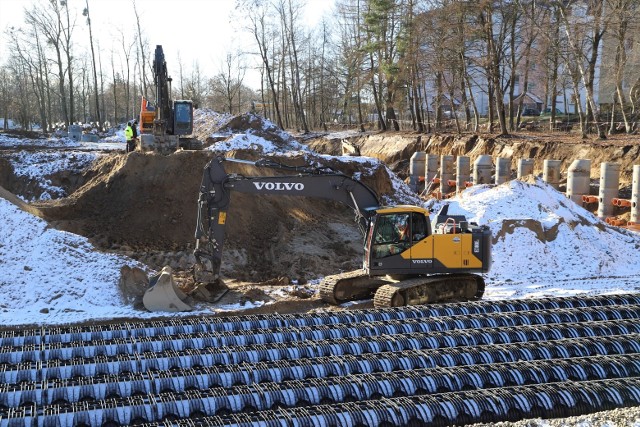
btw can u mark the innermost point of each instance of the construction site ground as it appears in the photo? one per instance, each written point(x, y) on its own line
point(142, 207)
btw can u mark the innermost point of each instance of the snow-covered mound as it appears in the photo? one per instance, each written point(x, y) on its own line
point(249, 141)
point(546, 245)
point(245, 131)
point(50, 276)
point(39, 165)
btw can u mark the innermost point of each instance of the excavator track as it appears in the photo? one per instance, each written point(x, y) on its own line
point(349, 286)
point(430, 289)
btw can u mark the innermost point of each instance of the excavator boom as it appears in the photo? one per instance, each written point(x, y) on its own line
point(217, 186)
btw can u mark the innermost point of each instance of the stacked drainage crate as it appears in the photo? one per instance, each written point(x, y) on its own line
point(428, 365)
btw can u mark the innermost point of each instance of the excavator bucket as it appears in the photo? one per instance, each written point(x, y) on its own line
point(164, 295)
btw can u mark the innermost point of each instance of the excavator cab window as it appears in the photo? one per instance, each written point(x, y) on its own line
point(183, 118)
point(392, 235)
point(419, 227)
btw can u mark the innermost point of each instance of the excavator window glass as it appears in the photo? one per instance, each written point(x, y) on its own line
point(392, 235)
point(419, 226)
point(182, 113)
point(183, 118)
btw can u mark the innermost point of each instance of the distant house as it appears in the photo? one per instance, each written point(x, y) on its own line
point(531, 105)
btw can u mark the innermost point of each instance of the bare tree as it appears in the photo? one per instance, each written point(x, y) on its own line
point(67, 46)
point(126, 51)
point(257, 12)
point(28, 49)
point(351, 57)
point(142, 44)
point(96, 92)
point(584, 32)
point(229, 80)
point(495, 35)
point(289, 15)
point(622, 13)
point(5, 98)
point(48, 21)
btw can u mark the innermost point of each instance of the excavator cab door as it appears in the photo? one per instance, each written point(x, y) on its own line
point(389, 244)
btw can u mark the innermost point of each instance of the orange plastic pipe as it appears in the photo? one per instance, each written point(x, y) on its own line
point(451, 183)
point(589, 199)
point(621, 202)
point(468, 184)
point(616, 222)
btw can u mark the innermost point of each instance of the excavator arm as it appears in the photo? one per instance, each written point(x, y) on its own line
point(215, 196)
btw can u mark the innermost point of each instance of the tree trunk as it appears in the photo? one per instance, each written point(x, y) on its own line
point(143, 54)
point(95, 72)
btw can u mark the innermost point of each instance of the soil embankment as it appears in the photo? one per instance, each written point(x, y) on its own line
point(147, 204)
point(395, 149)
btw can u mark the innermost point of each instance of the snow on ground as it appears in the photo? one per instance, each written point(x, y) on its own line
point(40, 164)
point(53, 155)
point(7, 141)
point(544, 244)
point(249, 141)
point(549, 246)
point(204, 117)
point(251, 138)
point(49, 276)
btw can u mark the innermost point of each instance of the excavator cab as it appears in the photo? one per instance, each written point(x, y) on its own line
point(403, 240)
point(392, 235)
point(182, 117)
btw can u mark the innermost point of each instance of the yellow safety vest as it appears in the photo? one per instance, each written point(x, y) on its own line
point(128, 133)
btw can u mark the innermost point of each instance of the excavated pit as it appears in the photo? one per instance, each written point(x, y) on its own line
point(145, 205)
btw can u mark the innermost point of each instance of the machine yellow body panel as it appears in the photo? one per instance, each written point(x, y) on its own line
point(451, 250)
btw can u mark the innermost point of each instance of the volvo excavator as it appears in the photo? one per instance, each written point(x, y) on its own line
point(165, 126)
point(408, 258)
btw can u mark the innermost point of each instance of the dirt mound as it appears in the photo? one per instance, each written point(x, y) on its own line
point(138, 200)
point(148, 202)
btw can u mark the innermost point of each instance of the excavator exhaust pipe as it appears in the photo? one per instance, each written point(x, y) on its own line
point(164, 295)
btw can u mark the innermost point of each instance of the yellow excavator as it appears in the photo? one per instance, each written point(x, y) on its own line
point(409, 258)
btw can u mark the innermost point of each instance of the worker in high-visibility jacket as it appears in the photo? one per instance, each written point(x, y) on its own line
point(128, 134)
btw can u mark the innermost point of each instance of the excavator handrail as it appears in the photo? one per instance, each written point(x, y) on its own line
point(453, 221)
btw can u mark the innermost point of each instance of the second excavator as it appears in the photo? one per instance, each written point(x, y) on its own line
point(408, 258)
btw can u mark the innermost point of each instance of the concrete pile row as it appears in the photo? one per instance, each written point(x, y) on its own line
point(443, 175)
